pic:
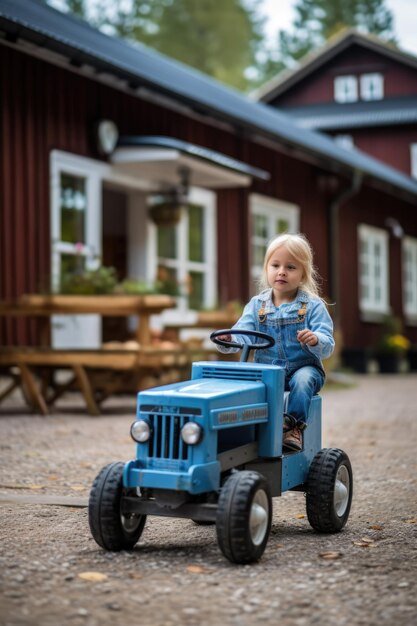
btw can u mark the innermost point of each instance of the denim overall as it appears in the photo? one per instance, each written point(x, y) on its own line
point(304, 373)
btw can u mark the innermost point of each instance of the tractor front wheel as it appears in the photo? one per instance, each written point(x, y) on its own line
point(329, 490)
point(111, 529)
point(244, 517)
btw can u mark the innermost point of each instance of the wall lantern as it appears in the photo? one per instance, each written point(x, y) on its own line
point(166, 207)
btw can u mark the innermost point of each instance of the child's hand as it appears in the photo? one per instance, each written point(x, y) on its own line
point(308, 337)
point(225, 337)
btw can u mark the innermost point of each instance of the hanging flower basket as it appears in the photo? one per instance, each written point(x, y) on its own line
point(165, 213)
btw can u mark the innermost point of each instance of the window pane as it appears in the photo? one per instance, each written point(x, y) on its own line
point(167, 280)
point(410, 276)
point(346, 89)
point(72, 263)
point(259, 253)
point(167, 242)
point(73, 208)
point(372, 86)
point(196, 290)
point(195, 233)
point(281, 226)
point(260, 226)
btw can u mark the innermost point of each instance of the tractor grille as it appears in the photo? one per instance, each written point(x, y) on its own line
point(233, 373)
point(166, 441)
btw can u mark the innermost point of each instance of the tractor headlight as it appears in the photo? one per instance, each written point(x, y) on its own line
point(191, 433)
point(140, 431)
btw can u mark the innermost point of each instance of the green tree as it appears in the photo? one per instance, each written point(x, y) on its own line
point(318, 20)
point(219, 38)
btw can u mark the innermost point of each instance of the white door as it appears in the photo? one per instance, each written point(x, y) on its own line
point(76, 240)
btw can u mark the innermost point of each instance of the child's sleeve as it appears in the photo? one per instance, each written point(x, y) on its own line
point(245, 322)
point(321, 324)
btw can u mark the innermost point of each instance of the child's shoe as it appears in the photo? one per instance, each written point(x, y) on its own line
point(292, 438)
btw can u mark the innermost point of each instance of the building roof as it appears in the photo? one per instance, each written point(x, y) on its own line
point(35, 25)
point(333, 116)
point(287, 79)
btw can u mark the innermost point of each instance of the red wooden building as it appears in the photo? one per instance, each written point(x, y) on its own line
point(69, 191)
point(358, 89)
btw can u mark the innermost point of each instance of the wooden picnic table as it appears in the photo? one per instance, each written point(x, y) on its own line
point(44, 306)
point(99, 373)
point(28, 360)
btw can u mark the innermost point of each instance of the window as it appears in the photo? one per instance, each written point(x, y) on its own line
point(75, 206)
point(373, 269)
point(269, 218)
point(413, 151)
point(346, 89)
point(76, 239)
point(186, 254)
point(372, 86)
point(410, 276)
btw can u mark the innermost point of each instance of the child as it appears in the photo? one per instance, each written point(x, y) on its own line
point(291, 310)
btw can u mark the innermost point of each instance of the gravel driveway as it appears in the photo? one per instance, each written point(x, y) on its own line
point(53, 573)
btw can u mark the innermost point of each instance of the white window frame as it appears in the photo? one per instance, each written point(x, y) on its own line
point(371, 304)
point(366, 81)
point(273, 210)
point(208, 267)
point(91, 172)
point(409, 255)
point(413, 159)
point(83, 331)
point(346, 89)
point(142, 231)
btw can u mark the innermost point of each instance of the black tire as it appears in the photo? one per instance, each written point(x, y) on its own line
point(329, 490)
point(244, 515)
point(110, 529)
point(200, 522)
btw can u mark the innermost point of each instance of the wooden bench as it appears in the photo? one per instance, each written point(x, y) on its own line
point(96, 373)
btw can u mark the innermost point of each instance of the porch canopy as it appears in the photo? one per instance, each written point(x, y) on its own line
point(160, 159)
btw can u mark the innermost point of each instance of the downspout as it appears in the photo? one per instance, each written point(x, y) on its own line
point(334, 256)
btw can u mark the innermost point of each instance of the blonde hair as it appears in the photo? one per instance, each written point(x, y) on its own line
point(299, 247)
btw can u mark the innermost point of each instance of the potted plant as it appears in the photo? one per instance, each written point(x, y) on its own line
point(99, 281)
point(392, 346)
point(412, 358)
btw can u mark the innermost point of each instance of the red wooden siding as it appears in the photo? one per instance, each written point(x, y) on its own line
point(46, 107)
point(388, 144)
point(317, 88)
point(372, 209)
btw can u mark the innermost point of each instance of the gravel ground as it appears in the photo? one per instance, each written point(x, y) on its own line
point(176, 574)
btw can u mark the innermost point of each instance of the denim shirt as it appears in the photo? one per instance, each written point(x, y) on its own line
point(282, 323)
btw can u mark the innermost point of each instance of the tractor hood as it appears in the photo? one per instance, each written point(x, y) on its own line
point(203, 394)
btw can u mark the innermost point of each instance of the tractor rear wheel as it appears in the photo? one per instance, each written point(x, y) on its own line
point(244, 517)
point(329, 490)
point(111, 529)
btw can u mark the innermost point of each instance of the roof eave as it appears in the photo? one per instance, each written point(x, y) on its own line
point(313, 61)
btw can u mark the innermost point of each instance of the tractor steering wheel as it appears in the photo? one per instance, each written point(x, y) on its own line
point(246, 347)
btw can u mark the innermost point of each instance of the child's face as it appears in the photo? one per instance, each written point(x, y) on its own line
point(284, 275)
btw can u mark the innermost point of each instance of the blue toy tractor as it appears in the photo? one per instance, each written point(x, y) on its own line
point(210, 449)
